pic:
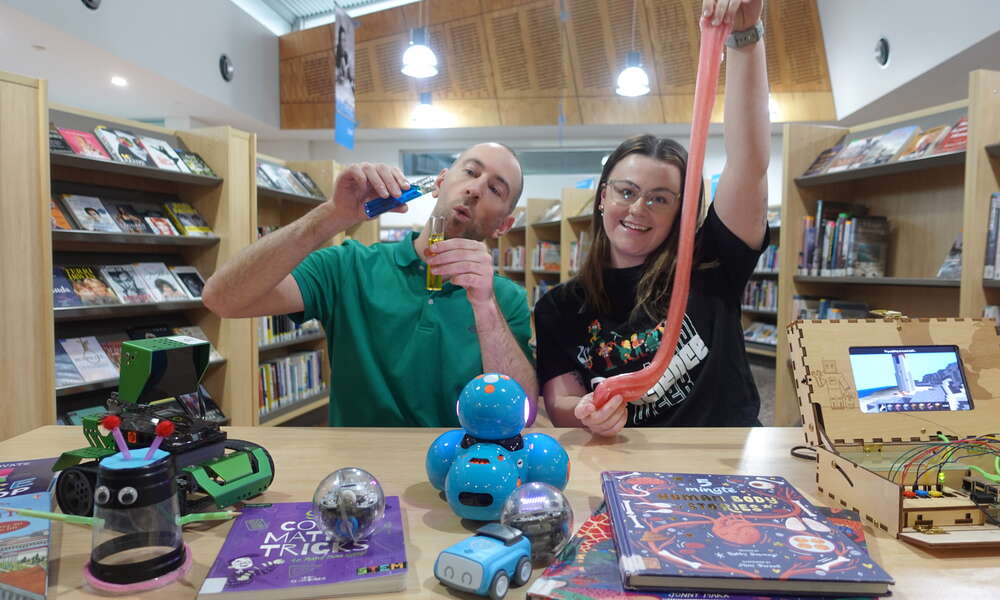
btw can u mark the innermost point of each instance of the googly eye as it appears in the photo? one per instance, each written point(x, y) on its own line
point(102, 494)
point(127, 495)
point(520, 463)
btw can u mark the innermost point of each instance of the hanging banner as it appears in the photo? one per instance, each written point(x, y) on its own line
point(343, 91)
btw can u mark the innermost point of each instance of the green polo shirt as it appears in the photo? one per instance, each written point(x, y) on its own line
point(399, 355)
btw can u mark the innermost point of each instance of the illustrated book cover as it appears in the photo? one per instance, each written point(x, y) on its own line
point(164, 155)
point(195, 164)
point(280, 551)
point(191, 278)
point(84, 143)
point(127, 284)
point(186, 219)
point(124, 146)
point(160, 282)
point(956, 138)
point(89, 286)
point(126, 217)
point(922, 144)
point(58, 217)
point(24, 541)
point(89, 358)
point(723, 533)
point(62, 289)
point(89, 213)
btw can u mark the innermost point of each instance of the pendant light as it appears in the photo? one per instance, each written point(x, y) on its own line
point(633, 81)
point(419, 61)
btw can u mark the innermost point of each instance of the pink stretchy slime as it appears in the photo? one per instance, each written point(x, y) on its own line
point(632, 386)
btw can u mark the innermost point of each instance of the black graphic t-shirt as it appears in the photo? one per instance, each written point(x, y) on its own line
point(708, 382)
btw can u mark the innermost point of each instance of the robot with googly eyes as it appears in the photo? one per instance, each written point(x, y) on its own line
point(477, 467)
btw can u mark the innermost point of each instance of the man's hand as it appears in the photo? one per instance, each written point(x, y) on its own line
point(362, 182)
point(466, 263)
point(606, 421)
point(743, 14)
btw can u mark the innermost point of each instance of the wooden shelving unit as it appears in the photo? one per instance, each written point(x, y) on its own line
point(302, 339)
point(287, 413)
point(928, 202)
point(69, 240)
point(77, 313)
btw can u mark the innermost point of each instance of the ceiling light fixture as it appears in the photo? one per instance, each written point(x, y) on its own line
point(419, 61)
point(633, 81)
point(119, 81)
point(425, 115)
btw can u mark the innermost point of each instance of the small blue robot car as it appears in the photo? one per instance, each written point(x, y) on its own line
point(480, 465)
point(486, 563)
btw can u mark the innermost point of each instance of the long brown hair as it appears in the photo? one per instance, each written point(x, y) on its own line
point(653, 292)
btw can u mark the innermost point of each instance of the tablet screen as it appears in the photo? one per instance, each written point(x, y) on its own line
point(909, 378)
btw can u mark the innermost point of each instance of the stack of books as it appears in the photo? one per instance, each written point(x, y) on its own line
point(680, 535)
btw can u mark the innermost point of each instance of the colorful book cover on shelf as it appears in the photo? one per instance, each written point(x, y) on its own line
point(89, 285)
point(922, 144)
point(66, 373)
point(191, 278)
point(263, 179)
point(307, 182)
point(24, 541)
point(194, 163)
point(186, 219)
point(58, 219)
point(199, 334)
point(89, 358)
point(124, 146)
point(126, 217)
point(951, 267)
point(84, 143)
point(956, 138)
point(113, 348)
point(160, 282)
point(127, 284)
point(62, 289)
point(279, 551)
point(163, 154)
point(56, 141)
point(889, 145)
point(89, 213)
point(824, 159)
point(722, 533)
point(158, 221)
point(852, 154)
point(869, 248)
point(587, 566)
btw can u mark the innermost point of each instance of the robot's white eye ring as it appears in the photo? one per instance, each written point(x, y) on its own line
point(102, 494)
point(467, 578)
point(127, 495)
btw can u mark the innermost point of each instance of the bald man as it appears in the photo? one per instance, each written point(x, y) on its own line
point(399, 354)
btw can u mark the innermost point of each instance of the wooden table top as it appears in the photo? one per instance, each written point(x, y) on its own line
point(303, 456)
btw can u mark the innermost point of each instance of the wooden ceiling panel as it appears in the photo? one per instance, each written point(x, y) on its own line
point(801, 43)
point(526, 51)
point(675, 45)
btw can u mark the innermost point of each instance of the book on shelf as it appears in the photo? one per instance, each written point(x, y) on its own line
point(89, 285)
point(66, 373)
point(58, 219)
point(62, 290)
point(89, 213)
point(951, 267)
point(278, 551)
point(823, 160)
point(75, 417)
point(124, 146)
point(147, 332)
point(290, 379)
point(263, 179)
point(992, 253)
point(157, 219)
point(25, 541)
point(922, 144)
point(519, 219)
point(199, 334)
point(761, 333)
point(888, 146)
point(587, 566)
point(293, 182)
point(112, 346)
point(194, 163)
point(956, 138)
point(126, 217)
point(551, 214)
point(307, 182)
point(56, 141)
point(186, 219)
point(727, 533)
point(160, 282)
point(852, 154)
point(163, 155)
point(869, 247)
point(127, 284)
point(89, 358)
point(191, 279)
point(83, 143)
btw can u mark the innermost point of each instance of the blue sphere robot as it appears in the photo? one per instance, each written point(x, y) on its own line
point(478, 466)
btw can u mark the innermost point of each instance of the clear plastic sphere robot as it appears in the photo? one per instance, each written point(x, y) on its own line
point(478, 467)
point(350, 503)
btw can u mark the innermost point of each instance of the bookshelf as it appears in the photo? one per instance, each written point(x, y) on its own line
point(928, 201)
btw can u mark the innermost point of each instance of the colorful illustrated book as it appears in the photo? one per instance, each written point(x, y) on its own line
point(956, 138)
point(89, 286)
point(89, 358)
point(157, 220)
point(24, 541)
point(89, 213)
point(66, 373)
point(160, 282)
point(922, 144)
point(723, 533)
point(824, 159)
point(307, 182)
point(278, 551)
point(62, 290)
point(111, 343)
point(84, 143)
point(163, 154)
point(191, 278)
point(889, 146)
point(852, 154)
point(124, 146)
point(127, 284)
point(58, 217)
point(587, 566)
point(57, 143)
point(186, 219)
point(126, 217)
point(195, 164)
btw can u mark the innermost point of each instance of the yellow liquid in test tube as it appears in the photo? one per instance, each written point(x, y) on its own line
point(436, 225)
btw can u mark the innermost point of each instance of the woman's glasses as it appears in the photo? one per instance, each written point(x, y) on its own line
point(624, 193)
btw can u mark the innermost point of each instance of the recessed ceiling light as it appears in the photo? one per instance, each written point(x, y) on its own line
point(119, 81)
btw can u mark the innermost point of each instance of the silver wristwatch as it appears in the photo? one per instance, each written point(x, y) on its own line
point(738, 39)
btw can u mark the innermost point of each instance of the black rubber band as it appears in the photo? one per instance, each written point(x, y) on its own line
point(138, 571)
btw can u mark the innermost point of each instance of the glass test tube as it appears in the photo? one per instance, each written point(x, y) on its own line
point(436, 228)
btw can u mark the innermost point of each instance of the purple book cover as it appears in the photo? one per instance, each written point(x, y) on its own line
point(696, 531)
point(281, 546)
point(62, 290)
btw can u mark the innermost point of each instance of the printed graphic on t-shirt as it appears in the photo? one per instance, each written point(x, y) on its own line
point(611, 352)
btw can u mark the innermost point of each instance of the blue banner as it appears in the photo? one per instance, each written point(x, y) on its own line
point(343, 90)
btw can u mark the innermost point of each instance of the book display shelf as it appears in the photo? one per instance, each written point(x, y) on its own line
point(927, 201)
